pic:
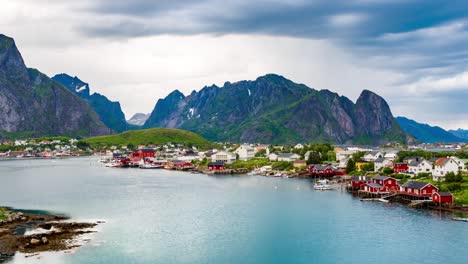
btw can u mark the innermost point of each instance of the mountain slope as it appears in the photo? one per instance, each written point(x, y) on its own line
point(273, 109)
point(109, 112)
point(138, 119)
point(151, 136)
point(426, 133)
point(460, 133)
point(33, 104)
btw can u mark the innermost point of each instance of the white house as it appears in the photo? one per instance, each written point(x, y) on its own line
point(288, 157)
point(381, 163)
point(391, 156)
point(299, 146)
point(223, 156)
point(344, 154)
point(419, 166)
point(20, 142)
point(245, 152)
point(445, 165)
point(273, 156)
point(373, 155)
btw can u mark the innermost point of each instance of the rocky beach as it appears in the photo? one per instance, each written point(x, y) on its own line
point(32, 233)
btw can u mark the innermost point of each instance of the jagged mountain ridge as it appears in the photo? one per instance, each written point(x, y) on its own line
point(32, 103)
point(273, 109)
point(109, 112)
point(138, 119)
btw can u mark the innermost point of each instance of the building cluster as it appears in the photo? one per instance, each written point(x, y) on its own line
point(386, 186)
point(39, 149)
point(438, 167)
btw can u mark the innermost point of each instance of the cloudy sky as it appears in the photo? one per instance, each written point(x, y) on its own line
point(414, 52)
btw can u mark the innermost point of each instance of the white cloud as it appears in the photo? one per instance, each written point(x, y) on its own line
point(347, 20)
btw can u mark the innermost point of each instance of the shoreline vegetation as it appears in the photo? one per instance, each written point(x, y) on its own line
point(31, 232)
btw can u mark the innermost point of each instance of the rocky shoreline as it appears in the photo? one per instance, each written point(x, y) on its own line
point(49, 233)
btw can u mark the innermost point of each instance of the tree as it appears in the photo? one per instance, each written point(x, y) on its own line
point(368, 166)
point(388, 170)
point(261, 153)
point(450, 177)
point(82, 145)
point(314, 158)
point(350, 166)
point(130, 146)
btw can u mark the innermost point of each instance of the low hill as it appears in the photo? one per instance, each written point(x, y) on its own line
point(155, 136)
point(426, 133)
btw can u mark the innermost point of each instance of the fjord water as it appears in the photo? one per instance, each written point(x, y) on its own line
point(158, 216)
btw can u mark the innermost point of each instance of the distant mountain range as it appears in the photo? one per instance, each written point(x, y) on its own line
point(460, 133)
point(31, 104)
point(138, 119)
point(273, 109)
point(109, 112)
point(429, 134)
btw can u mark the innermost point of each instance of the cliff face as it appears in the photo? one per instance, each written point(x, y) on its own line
point(109, 112)
point(272, 109)
point(33, 103)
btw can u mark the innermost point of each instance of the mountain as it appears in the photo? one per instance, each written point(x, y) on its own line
point(32, 104)
point(460, 133)
point(109, 112)
point(151, 136)
point(273, 109)
point(426, 133)
point(138, 119)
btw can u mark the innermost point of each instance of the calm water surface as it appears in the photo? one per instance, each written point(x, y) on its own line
point(158, 216)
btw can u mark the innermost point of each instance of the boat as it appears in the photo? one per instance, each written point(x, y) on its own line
point(322, 185)
point(460, 219)
point(150, 166)
point(113, 165)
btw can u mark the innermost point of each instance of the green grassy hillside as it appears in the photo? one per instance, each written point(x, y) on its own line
point(151, 136)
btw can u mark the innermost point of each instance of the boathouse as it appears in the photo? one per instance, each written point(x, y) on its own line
point(216, 166)
point(390, 183)
point(417, 189)
point(442, 197)
point(374, 188)
point(143, 153)
point(358, 181)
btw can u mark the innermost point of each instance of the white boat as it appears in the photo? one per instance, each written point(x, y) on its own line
point(112, 165)
point(322, 185)
point(150, 166)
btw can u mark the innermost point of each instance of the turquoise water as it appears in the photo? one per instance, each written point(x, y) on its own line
point(158, 216)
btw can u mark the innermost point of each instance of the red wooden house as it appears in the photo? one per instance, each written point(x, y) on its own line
point(358, 181)
point(400, 168)
point(216, 166)
point(442, 197)
point(183, 165)
point(418, 189)
point(390, 183)
point(321, 170)
point(374, 188)
point(143, 153)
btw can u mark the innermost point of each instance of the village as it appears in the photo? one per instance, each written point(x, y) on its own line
point(384, 174)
